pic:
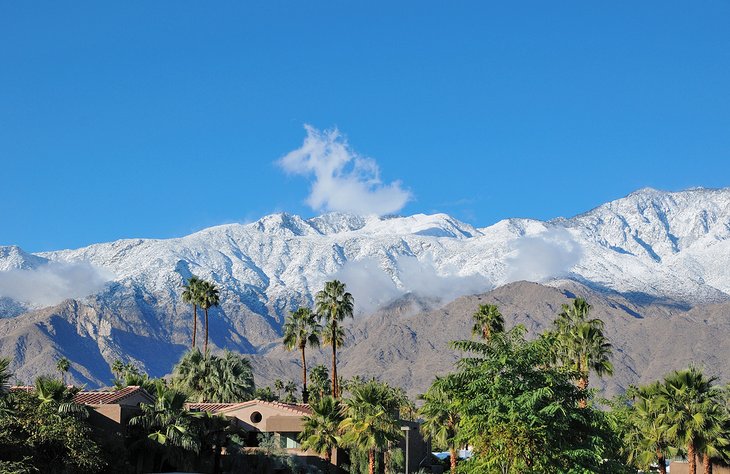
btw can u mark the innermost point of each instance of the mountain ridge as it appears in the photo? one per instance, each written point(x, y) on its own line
point(672, 248)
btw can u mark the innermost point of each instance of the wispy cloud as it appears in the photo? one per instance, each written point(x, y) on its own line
point(342, 180)
point(549, 254)
point(372, 287)
point(52, 283)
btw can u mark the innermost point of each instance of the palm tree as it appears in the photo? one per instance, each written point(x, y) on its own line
point(62, 365)
point(52, 391)
point(334, 304)
point(487, 320)
point(5, 374)
point(290, 389)
point(319, 378)
point(278, 386)
point(302, 329)
point(441, 418)
point(369, 423)
point(218, 379)
point(689, 404)
point(321, 428)
point(191, 295)
point(209, 297)
point(167, 422)
point(117, 368)
point(581, 344)
point(647, 441)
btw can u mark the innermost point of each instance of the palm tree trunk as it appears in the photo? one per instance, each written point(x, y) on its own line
point(582, 386)
point(691, 457)
point(661, 462)
point(707, 464)
point(334, 365)
point(452, 452)
point(205, 350)
point(195, 323)
point(305, 394)
point(371, 461)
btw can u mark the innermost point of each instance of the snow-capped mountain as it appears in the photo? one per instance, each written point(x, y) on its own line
point(650, 245)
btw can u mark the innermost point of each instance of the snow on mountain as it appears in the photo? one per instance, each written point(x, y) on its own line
point(650, 244)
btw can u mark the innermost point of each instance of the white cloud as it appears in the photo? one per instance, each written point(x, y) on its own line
point(343, 180)
point(372, 287)
point(549, 254)
point(52, 283)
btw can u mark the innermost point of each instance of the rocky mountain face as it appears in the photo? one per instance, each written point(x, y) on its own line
point(652, 263)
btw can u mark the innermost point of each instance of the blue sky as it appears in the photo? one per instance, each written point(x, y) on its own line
point(156, 119)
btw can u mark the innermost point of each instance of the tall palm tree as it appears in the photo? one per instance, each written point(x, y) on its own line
point(63, 365)
point(334, 304)
point(369, 423)
point(581, 344)
point(209, 297)
point(689, 402)
point(441, 418)
point(487, 320)
point(302, 329)
point(321, 428)
point(191, 295)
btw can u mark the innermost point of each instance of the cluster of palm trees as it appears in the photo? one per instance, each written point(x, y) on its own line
point(303, 328)
point(366, 421)
point(201, 294)
point(686, 412)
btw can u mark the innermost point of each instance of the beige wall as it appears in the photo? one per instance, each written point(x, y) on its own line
point(683, 468)
point(272, 419)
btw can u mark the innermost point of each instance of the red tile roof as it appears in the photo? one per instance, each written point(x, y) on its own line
point(111, 398)
point(297, 408)
point(211, 407)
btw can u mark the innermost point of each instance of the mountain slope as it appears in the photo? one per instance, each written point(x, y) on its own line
point(650, 246)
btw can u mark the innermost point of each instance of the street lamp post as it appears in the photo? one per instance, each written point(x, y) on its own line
point(407, 429)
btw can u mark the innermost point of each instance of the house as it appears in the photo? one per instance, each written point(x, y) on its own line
point(285, 421)
point(111, 410)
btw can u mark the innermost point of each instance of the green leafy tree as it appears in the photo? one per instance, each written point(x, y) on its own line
point(370, 423)
point(209, 298)
point(321, 428)
point(441, 417)
point(192, 294)
point(334, 304)
point(36, 437)
point(302, 329)
point(581, 345)
point(487, 321)
point(212, 378)
point(520, 412)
